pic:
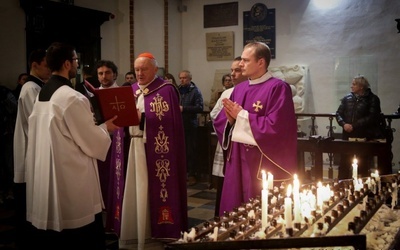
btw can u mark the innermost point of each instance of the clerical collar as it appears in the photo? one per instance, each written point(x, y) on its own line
point(54, 83)
point(114, 85)
point(37, 80)
point(261, 79)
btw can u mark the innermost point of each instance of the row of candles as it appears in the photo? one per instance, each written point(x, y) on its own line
point(267, 184)
point(303, 209)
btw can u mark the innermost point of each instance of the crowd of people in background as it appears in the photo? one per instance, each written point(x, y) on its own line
point(74, 177)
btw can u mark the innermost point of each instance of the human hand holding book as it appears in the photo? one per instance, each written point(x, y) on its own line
point(111, 127)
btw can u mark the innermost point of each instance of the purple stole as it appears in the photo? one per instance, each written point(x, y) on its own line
point(116, 182)
point(112, 181)
point(166, 163)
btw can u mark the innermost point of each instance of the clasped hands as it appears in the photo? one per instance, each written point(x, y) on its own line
point(232, 110)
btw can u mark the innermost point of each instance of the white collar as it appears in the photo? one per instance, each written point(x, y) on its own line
point(261, 79)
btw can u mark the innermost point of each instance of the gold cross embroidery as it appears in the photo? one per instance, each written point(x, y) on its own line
point(257, 106)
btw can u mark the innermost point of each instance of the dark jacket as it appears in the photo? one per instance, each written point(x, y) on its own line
point(363, 113)
point(192, 102)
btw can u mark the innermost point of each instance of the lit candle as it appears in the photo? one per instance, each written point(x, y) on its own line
point(378, 180)
point(264, 180)
point(320, 194)
point(394, 194)
point(360, 185)
point(355, 166)
point(296, 199)
point(270, 181)
point(264, 201)
point(288, 208)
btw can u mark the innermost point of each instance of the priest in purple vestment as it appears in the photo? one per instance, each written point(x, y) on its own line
point(156, 173)
point(258, 129)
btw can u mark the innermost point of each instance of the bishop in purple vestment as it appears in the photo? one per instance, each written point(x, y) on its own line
point(258, 129)
point(157, 153)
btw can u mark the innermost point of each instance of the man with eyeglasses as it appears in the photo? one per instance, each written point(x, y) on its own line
point(64, 201)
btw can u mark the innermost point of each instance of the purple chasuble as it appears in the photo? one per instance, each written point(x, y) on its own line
point(166, 163)
point(274, 127)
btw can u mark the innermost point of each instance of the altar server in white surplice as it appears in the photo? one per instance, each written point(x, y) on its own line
point(39, 73)
point(64, 202)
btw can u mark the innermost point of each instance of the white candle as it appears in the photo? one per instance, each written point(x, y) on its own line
point(394, 194)
point(264, 180)
point(296, 199)
point(264, 209)
point(288, 208)
point(264, 201)
point(270, 181)
point(355, 166)
point(378, 180)
point(320, 195)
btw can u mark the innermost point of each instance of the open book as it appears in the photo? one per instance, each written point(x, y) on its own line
point(109, 102)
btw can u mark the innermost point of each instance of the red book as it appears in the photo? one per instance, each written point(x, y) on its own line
point(118, 101)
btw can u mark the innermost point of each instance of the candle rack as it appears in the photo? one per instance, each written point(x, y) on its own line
point(237, 231)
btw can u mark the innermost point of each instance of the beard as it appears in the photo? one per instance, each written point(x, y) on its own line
point(72, 73)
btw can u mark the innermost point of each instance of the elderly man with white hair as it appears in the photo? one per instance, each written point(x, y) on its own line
point(155, 199)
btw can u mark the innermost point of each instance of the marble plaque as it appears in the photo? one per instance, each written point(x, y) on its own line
point(220, 46)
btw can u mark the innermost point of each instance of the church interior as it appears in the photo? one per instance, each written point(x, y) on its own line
point(318, 47)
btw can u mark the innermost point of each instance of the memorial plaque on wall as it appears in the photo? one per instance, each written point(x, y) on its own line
point(219, 46)
point(259, 26)
point(219, 15)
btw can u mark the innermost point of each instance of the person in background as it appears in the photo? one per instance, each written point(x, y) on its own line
point(220, 156)
point(258, 129)
point(64, 201)
point(39, 73)
point(226, 84)
point(21, 81)
point(130, 78)
point(170, 78)
point(191, 105)
point(359, 115)
point(8, 111)
point(155, 198)
point(87, 74)
point(110, 171)
point(107, 73)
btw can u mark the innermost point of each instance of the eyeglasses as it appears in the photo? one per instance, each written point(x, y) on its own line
point(228, 80)
point(76, 59)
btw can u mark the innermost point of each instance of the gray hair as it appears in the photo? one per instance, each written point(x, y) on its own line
point(361, 81)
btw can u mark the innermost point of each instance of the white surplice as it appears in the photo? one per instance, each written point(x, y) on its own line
point(218, 164)
point(63, 187)
point(27, 97)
